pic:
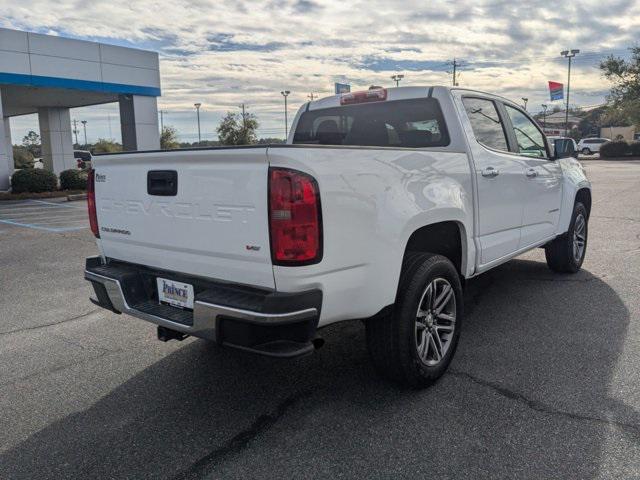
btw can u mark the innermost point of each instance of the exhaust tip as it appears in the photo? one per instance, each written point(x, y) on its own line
point(318, 343)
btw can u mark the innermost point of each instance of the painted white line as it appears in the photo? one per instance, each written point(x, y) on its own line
point(46, 221)
point(40, 213)
point(57, 204)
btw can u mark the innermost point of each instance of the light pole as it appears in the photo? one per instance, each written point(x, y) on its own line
point(568, 54)
point(525, 100)
point(84, 126)
point(544, 117)
point(285, 94)
point(396, 78)
point(198, 105)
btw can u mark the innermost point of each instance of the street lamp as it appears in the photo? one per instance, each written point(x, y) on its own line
point(544, 117)
point(396, 78)
point(84, 126)
point(285, 94)
point(525, 100)
point(198, 105)
point(569, 54)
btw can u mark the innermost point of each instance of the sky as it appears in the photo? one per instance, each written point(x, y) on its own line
point(224, 53)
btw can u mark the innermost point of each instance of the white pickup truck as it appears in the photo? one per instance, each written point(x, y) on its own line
point(379, 207)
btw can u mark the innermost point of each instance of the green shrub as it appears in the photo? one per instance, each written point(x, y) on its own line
point(73, 180)
point(635, 149)
point(33, 180)
point(614, 149)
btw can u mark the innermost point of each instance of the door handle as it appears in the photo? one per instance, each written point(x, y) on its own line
point(490, 172)
point(531, 172)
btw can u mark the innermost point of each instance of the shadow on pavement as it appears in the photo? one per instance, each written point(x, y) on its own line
point(528, 395)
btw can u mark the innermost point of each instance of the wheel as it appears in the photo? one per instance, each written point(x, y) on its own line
point(586, 151)
point(566, 253)
point(414, 344)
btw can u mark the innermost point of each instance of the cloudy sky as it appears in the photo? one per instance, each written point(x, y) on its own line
point(223, 53)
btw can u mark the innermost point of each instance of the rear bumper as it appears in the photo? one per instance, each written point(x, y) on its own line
point(266, 322)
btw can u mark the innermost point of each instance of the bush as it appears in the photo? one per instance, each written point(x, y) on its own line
point(635, 149)
point(73, 180)
point(34, 181)
point(22, 158)
point(614, 149)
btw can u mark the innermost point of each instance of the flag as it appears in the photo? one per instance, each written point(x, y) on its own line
point(556, 91)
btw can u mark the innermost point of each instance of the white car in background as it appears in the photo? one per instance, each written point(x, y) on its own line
point(589, 146)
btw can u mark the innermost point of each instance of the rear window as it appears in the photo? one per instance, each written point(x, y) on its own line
point(401, 123)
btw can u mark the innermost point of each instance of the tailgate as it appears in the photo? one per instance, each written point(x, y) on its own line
point(215, 225)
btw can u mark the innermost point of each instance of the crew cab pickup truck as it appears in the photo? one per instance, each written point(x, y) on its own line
point(378, 208)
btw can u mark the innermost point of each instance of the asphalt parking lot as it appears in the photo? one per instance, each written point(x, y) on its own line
point(545, 383)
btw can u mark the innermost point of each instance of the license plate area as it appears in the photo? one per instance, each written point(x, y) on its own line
point(175, 294)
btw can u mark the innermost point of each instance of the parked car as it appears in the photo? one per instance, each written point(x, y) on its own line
point(379, 207)
point(589, 146)
point(83, 158)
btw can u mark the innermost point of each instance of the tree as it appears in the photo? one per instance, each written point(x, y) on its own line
point(624, 95)
point(31, 141)
point(22, 157)
point(169, 138)
point(106, 146)
point(238, 129)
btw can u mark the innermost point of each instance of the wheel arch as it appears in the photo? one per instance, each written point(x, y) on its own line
point(584, 196)
point(446, 238)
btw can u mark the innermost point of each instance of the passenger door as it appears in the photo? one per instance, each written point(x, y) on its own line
point(542, 190)
point(500, 179)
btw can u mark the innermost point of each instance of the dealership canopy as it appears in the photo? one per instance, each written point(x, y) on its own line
point(48, 75)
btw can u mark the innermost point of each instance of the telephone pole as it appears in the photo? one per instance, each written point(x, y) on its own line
point(75, 129)
point(569, 54)
point(161, 121)
point(456, 64)
point(544, 117)
point(311, 96)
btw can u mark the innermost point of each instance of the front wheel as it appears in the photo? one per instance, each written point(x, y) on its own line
point(566, 253)
point(586, 151)
point(416, 342)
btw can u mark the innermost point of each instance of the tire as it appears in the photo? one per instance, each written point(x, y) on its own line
point(586, 151)
point(564, 254)
point(413, 345)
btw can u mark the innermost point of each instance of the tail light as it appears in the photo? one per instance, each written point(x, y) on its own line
point(295, 222)
point(91, 202)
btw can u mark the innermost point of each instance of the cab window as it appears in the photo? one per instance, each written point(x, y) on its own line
point(485, 123)
point(529, 137)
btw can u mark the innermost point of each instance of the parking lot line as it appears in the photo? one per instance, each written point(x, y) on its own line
point(44, 216)
point(38, 227)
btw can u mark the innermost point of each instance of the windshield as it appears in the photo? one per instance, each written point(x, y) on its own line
point(415, 123)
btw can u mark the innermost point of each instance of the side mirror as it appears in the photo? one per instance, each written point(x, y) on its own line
point(563, 148)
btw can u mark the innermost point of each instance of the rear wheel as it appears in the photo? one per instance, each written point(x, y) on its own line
point(416, 342)
point(586, 151)
point(566, 253)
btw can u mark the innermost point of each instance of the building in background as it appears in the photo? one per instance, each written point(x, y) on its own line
point(48, 75)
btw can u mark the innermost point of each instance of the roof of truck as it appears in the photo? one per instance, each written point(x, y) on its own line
point(399, 93)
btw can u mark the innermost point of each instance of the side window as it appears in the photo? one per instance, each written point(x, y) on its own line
point(485, 122)
point(530, 139)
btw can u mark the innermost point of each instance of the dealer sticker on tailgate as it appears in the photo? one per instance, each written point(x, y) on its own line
point(176, 294)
